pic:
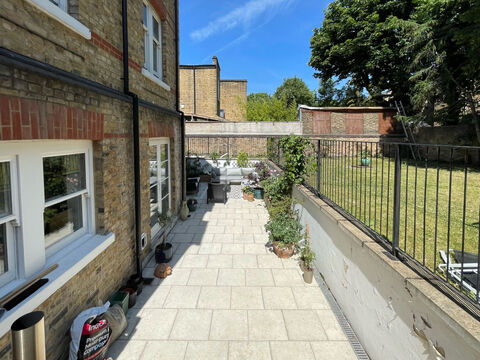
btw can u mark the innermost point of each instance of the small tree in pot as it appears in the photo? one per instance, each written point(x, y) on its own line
point(308, 257)
point(248, 193)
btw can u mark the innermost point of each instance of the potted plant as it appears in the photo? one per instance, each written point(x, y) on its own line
point(192, 204)
point(248, 193)
point(214, 155)
point(284, 233)
point(242, 160)
point(308, 257)
point(258, 192)
point(365, 157)
point(163, 251)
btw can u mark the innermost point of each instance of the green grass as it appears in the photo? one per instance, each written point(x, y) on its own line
point(426, 224)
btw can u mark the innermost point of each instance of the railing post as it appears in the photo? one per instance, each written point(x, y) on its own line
point(318, 167)
point(396, 201)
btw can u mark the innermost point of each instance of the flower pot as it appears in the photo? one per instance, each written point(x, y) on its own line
point(132, 299)
point(283, 252)
point(120, 298)
point(365, 161)
point(258, 193)
point(135, 282)
point(250, 197)
point(244, 196)
point(163, 253)
point(308, 276)
point(192, 206)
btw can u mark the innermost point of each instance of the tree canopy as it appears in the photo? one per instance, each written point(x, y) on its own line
point(294, 90)
point(263, 107)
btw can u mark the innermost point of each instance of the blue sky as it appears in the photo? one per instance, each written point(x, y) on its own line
point(262, 41)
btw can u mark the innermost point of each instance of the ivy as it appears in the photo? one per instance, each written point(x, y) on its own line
point(295, 159)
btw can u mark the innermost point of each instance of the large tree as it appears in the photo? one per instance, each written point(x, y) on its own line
point(360, 41)
point(446, 66)
point(294, 90)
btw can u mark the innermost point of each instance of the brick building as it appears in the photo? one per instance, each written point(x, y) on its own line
point(70, 145)
point(205, 96)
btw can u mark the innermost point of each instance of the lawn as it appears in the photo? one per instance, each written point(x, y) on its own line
point(426, 224)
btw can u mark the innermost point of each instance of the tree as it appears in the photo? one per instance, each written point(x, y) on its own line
point(360, 41)
point(348, 95)
point(294, 90)
point(446, 65)
point(263, 107)
point(326, 94)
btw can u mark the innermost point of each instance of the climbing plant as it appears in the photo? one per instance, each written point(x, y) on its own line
point(295, 158)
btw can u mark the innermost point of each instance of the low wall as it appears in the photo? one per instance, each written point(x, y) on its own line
point(395, 313)
point(247, 128)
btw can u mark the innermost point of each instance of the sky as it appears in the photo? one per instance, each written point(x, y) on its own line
point(262, 41)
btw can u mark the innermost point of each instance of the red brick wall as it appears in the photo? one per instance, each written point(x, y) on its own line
point(26, 119)
point(321, 122)
point(354, 124)
point(386, 122)
point(157, 129)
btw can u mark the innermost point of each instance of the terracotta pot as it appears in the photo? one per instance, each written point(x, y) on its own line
point(308, 276)
point(284, 252)
point(250, 197)
point(244, 196)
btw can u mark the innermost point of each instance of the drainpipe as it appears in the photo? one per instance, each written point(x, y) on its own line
point(136, 140)
point(177, 99)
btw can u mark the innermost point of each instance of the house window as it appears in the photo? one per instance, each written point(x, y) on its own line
point(64, 182)
point(160, 185)
point(7, 218)
point(152, 35)
point(55, 209)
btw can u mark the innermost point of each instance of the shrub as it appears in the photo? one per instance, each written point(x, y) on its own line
point(262, 170)
point(247, 190)
point(214, 156)
point(242, 159)
point(276, 189)
point(306, 253)
point(281, 207)
point(295, 158)
point(284, 229)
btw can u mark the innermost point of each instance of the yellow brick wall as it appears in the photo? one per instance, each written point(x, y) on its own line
point(233, 98)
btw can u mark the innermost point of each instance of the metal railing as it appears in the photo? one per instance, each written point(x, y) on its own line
point(421, 201)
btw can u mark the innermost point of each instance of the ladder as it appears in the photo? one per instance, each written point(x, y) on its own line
point(407, 130)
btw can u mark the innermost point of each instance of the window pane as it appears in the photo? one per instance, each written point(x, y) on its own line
point(165, 205)
point(153, 164)
point(155, 29)
point(164, 188)
point(155, 58)
point(145, 49)
point(62, 219)
point(3, 249)
point(144, 15)
point(63, 175)
point(164, 152)
point(164, 169)
point(5, 190)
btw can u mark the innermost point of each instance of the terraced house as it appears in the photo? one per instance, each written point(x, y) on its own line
point(90, 152)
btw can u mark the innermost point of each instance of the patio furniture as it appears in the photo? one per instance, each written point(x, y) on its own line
point(217, 192)
point(468, 261)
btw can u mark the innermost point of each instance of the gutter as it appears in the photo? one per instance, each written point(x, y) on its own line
point(136, 140)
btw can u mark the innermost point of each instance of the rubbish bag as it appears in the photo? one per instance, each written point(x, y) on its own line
point(116, 320)
point(90, 333)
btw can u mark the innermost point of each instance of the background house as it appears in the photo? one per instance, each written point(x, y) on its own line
point(66, 151)
point(205, 96)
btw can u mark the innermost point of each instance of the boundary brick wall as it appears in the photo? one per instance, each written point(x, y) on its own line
point(233, 94)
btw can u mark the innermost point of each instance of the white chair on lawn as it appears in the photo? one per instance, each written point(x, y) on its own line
point(469, 263)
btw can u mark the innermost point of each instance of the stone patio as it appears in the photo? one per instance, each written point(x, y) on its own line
point(230, 297)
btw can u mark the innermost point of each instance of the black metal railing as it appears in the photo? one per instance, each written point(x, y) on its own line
point(422, 201)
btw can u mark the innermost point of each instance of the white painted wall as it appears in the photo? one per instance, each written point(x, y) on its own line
point(243, 128)
point(395, 314)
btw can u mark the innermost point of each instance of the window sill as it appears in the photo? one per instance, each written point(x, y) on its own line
point(58, 14)
point(71, 260)
point(156, 80)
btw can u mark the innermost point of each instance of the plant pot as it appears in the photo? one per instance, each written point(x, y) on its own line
point(365, 161)
point(132, 299)
point(135, 282)
point(283, 252)
point(120, 298)
point(163, 253)
point(192, 206)
point(250, 197)
point(308, 276)
point(258, 193)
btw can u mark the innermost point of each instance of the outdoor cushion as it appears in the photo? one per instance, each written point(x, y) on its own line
point(234, 172)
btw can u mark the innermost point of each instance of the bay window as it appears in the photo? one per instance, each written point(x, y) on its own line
point(160, 185)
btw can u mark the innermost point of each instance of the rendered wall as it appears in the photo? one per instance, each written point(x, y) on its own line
point(395, 313)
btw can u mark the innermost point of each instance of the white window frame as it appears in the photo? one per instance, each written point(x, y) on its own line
point(87, 205)
point(158, 142)
point(149, 42)
point(60, 13)
point(11, 221)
